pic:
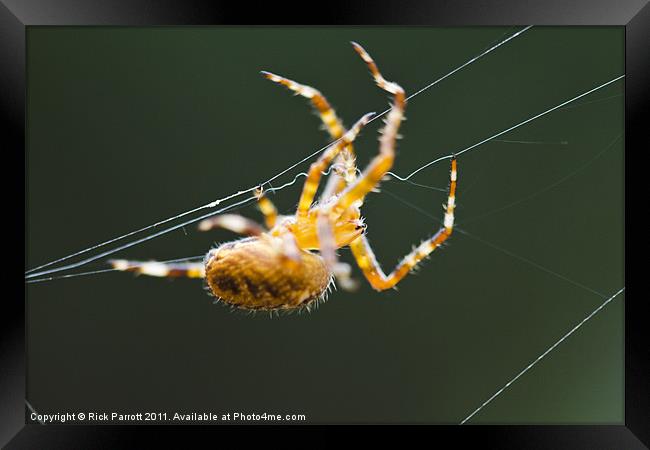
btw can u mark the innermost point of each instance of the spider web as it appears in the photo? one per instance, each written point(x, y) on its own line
point(33, 274)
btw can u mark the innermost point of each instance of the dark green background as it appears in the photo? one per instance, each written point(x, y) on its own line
point(127, 126)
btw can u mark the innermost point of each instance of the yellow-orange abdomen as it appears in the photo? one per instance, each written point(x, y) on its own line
point(254, 273)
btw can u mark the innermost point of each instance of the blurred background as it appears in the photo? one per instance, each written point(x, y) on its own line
point(128, 126)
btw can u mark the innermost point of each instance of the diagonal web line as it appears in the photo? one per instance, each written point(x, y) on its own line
point(540, 357)
point(494, 246)
point(500, 133)
point(528, 261)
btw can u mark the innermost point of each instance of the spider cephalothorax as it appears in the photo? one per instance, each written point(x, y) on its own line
point(292, 262)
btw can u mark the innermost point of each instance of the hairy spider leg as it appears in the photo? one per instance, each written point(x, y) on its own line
point(160, 269)
point(232, 222)
point(290, 250)
point(372, 270)
point(333, 125)
point(316, 169)
point(327, 114)
point(355, 192)
point(383, 162)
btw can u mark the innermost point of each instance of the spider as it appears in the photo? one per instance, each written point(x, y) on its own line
point(292, 262)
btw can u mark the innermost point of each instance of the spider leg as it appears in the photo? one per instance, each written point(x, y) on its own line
point(232, 222)
point(160, 269)
point(338, 180)
point(372, 270)
point(316, 169)
point(383, 162)
point(327, 114)
point(369, 179)
point(267, 208)
point(333, 125)
point(327, 246)
point(290, 250)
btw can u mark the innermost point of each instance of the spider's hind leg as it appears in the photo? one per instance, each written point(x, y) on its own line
point(372, 270)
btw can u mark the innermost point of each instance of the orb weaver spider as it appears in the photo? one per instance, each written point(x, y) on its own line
point(277, 268)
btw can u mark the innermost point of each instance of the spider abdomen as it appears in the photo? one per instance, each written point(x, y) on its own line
point(254, 273)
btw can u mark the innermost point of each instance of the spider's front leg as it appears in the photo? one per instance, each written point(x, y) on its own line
point(327, 114)
point(336, 182)
point(383, 162)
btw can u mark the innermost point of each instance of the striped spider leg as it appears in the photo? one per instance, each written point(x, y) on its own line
point(345, 161)
point(353, 195)
point(232, 222)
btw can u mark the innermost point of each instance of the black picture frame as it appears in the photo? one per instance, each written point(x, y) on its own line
point(16, 15)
